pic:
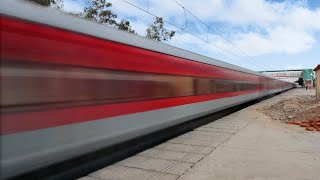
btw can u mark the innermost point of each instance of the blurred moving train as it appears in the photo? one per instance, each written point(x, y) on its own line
point(70, 86)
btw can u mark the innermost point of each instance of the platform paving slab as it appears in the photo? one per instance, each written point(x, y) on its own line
point(264, 149)
point(125, 173)
point(196, 142)
point(237, 163)
point(211, 129)
point(155, 164)
point(185, 148)
point(243, 145)
point(87, 178)
point(169, 155)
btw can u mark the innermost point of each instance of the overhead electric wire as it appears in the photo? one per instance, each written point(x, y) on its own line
point(239, 49)
point(185, 16)
point(185, 30)
point(181, 28)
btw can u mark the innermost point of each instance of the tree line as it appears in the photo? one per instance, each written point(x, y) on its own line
point(99, 11)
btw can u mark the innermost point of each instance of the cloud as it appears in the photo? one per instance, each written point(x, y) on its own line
point(258, 27)
point(277, 40)
point(262, 27)
point(73, 6)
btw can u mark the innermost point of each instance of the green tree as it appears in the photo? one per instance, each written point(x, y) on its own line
point(98, 10)
point(156, 31)
point(56, 3)
point(43, 2)
point(125, 25)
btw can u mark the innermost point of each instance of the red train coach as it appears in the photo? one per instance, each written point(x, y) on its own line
point(71, 86)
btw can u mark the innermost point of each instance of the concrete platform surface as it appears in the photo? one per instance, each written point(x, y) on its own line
point(243, 145)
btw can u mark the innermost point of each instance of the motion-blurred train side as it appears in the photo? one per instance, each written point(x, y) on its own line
point(70, 86)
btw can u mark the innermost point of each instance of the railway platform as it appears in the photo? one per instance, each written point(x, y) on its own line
point(243, 145)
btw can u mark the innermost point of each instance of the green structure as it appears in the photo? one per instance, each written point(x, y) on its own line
point(308, 78)
point(308, 74)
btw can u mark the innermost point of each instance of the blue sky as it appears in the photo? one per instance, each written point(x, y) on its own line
point(271, 34)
